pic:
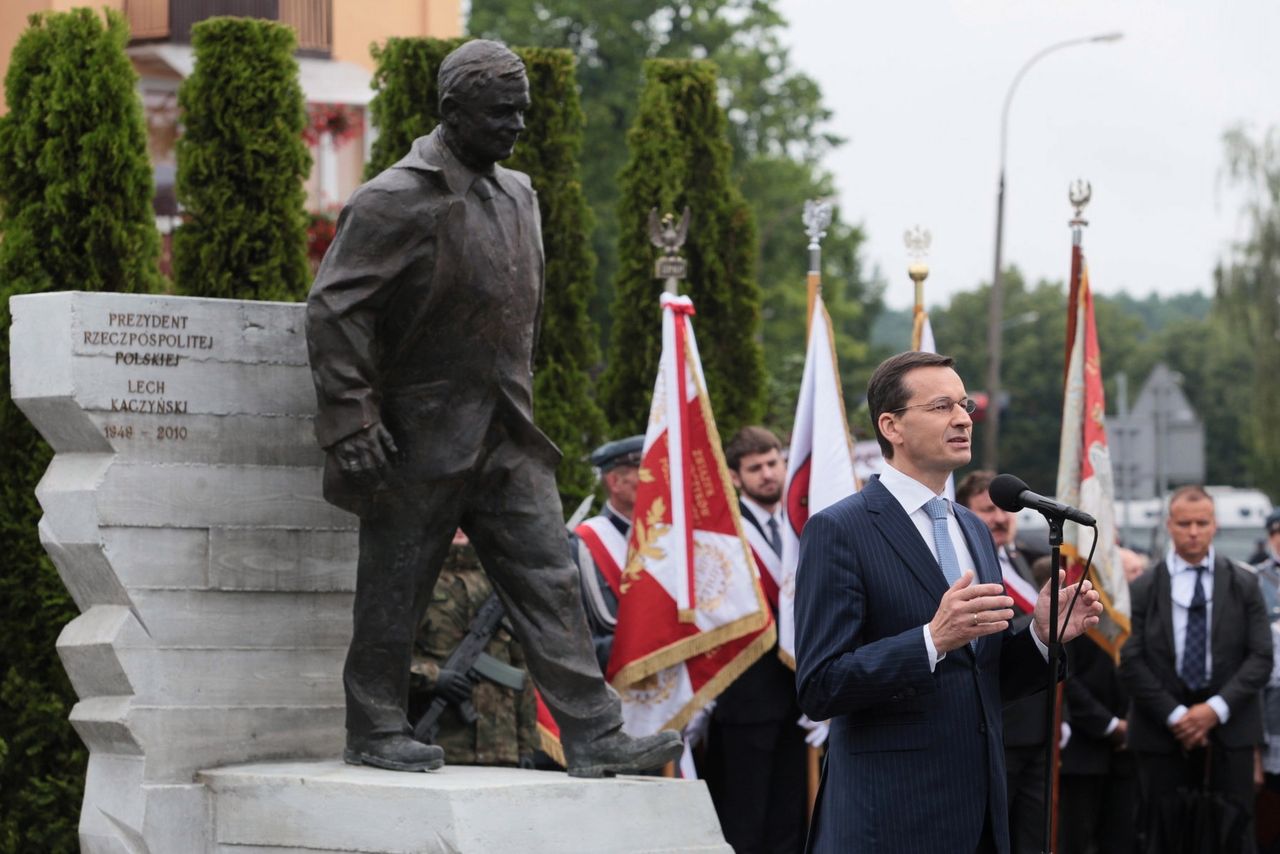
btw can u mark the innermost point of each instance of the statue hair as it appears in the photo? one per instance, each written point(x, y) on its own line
point(473, 66)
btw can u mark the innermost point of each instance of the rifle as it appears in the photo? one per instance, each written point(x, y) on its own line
point(464, 659)
point(470, 657)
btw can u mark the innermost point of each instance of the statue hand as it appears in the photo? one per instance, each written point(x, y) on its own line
point(366, 453)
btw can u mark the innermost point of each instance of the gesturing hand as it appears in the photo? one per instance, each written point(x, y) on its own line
point(1084, 616)
point(366, 453)
point(969, 611)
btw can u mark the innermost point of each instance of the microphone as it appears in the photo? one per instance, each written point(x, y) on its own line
point(1010, 493)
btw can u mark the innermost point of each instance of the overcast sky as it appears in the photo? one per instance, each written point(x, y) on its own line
point(917, 86)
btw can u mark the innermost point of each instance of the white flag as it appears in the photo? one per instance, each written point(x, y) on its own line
point(819, 464)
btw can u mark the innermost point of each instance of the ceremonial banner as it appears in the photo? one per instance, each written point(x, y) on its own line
point(549, 732)
point(1084, 465)
point(820, 463)
point(691, 611)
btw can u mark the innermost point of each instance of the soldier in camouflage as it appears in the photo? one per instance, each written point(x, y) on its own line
point(505, 731)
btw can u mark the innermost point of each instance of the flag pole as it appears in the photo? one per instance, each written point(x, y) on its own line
point(917, 241)
point(816, 218)
point(671, 268)
point(1079, 194)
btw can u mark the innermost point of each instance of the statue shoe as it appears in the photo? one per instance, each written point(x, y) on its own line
point(616, 752)
point(393, 752)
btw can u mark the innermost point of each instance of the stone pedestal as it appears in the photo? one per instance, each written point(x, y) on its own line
point(183, 512)
point(330, 807)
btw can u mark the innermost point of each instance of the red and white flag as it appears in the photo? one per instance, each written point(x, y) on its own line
point(1084, 465)
point(819, 464)
point(692, 614)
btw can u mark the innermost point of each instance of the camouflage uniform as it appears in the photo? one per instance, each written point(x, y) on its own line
point(506, 728)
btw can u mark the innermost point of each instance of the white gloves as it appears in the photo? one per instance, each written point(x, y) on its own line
point(816, 734)
point(695, 731)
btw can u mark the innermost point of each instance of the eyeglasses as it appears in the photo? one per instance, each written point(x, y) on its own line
point(941, 406)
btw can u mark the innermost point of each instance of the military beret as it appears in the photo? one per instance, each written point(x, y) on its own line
point(619, 452)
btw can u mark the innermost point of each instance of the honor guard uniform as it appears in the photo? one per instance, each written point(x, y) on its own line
point(599, 544)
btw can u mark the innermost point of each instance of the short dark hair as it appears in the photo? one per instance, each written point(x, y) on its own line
point(473, 66)
point(887, 390)
point(749, 440)
point(1191, 492)
point(974, 483)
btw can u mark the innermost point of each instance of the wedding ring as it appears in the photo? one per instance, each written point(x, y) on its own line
point(975, 618)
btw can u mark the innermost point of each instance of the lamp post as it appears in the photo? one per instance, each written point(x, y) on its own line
point(995, 313)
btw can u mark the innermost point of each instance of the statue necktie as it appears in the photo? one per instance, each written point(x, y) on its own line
point(937, 509)
point(775, 536)
point(1197, 638)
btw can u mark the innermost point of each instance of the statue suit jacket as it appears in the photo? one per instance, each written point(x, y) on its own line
point(1239, 644)
point(424, 316)
point(915, 761)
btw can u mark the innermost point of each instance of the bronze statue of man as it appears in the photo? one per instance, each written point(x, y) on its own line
point(421, 329)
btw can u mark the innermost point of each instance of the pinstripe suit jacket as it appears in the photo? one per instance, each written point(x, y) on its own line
point(915, 760)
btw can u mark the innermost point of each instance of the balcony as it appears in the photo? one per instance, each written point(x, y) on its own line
point(171, 20)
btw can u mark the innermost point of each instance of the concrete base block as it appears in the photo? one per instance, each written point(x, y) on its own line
point(328, 806)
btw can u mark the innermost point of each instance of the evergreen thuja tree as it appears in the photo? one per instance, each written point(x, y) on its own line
point(680, 156)
point(75, 213)
point(241, 165)
point(564, 404)
point(406, 107)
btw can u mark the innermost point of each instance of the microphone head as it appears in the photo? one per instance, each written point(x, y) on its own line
point(1004, 491)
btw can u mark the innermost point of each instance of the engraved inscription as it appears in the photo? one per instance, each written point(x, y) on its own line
point(148, 340)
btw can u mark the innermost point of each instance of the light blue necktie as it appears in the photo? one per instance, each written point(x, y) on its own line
point(937, 509)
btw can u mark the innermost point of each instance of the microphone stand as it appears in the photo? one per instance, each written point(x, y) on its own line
point(1051, 689)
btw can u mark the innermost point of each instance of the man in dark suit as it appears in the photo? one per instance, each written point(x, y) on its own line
point(903, 641)
point(756, 755)
point(1026, 720)
point(1195, 664)
point(1097, 792)
point(421, 328)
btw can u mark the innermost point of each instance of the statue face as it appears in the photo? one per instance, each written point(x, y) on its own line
point(485, 127)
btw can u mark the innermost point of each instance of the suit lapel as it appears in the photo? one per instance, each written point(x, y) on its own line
point(1222, 592)
point(1023, 568)
point(976, 537)
point(986, 569)
point(904, 538)
point(1163, 591)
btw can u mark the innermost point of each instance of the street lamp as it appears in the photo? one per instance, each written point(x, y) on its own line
point(995, 314)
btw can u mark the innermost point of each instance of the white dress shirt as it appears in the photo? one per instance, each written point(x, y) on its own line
point(912, 495)
point(763, 516)
point(1182, 587)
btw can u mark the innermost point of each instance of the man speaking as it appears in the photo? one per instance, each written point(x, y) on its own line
point(903, 641)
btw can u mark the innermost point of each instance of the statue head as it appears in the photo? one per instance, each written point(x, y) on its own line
point(484, 94)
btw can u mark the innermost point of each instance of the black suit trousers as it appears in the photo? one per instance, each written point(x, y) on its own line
point(509, 506)
point(758, 782)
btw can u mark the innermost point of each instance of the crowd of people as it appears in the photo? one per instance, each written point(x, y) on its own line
point(922, 630)
point(1193, 705)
